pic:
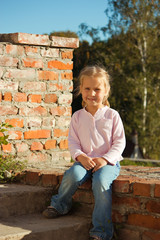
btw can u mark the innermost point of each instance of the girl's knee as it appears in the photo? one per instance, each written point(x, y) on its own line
point(76, 173)
point(101, 183)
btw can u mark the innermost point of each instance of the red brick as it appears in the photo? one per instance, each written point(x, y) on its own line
point(127, 202)
point(16, 135)
point(31, 50)
point(21, 147)
point(8, 110)
point(83, 196)
point(141, 189)
point(153, 206)
point(50, 98)
point(33, 63)
point(50, 144)
point(34, 86)
point(11, 86)
point(35, 98)
point(15, 122)
point(55, 86)
point(67, 75)
point(50, 52)
point(1, 72)
point(62, 86)
point(67, 54)
point(7, 148)
point(8, 61)
point(38, 111)
point(37, 157)
point(28, 74)
point(47, 75)
point(20, 97)
point(145, 221)
point(7, 97)
point(11, 48)
point(65, 99)
point(49, 180)
point(60, 132)
point(121, 186)
point(32, 177)
point(63, 144)
point(34, 122)
point(60, 65)
point(117, 217)
point(87, 185)
point(157, 190)
point(60, 110)
point(151, 235)
point(36, 146)
point(37, 134)
point(1, 48)
point(14, 50)
point(64, 42)
point(123, 234)
point(26, 38)
point(48, 121)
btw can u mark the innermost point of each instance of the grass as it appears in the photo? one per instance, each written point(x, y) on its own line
point(144, 163)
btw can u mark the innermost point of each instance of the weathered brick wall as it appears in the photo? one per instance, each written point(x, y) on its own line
point(35, 95)
point(136, 200)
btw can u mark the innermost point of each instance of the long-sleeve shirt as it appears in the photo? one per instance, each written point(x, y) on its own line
point(101, 135)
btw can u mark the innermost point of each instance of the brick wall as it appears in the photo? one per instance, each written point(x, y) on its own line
point(35, 95)
point(136, 200)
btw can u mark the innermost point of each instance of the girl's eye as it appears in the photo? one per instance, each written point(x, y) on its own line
point(97, 89)
point(86, 88)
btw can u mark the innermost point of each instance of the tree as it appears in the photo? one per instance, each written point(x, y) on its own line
point(139, 21)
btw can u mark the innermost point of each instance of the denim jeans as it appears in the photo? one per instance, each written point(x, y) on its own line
point(102, 190)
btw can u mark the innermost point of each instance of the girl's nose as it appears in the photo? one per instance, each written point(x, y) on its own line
point(92, 93)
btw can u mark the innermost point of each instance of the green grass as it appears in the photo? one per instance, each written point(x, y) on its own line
point(145, 163)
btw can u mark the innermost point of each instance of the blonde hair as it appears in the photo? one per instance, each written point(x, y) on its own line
point(98, 72)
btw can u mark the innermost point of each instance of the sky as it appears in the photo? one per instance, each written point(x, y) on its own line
point(46, 16)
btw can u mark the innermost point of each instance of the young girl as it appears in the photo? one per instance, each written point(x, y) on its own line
point(96, 142)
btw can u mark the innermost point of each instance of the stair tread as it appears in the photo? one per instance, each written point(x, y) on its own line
point(18, 188)
point(18, 227)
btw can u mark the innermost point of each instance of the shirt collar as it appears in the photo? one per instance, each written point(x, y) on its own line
point(100, 112)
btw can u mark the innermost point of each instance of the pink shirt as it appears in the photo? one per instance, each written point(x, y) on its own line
point(101, 135)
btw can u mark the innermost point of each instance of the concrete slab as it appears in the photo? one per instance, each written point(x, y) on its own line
point(36, 227)
point(16, 199)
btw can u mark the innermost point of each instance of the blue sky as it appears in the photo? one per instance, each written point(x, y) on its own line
point(45, 16)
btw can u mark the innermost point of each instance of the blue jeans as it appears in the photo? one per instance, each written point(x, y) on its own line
point(102, 190)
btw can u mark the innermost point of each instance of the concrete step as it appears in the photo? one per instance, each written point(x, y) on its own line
point(16, 199)
point(36, 227)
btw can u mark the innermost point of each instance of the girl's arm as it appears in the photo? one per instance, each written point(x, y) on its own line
point(73, 140)
point(75, 146)
point(118, 141)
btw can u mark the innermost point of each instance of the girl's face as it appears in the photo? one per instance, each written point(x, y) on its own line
point(93, 92)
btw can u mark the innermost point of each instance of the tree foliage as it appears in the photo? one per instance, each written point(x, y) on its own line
point(139, 21)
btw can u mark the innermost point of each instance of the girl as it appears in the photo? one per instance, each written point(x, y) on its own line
point(96, 142)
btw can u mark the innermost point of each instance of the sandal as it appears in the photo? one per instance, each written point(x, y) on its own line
point(95, 238)
point(51, 212)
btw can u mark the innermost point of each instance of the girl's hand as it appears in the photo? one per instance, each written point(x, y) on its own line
point(87, 162)
point(100, 162)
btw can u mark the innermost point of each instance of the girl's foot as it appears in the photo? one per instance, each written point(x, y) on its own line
point(51, 212)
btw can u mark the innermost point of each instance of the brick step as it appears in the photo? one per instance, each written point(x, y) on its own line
point(36, 227)
point(17, 199)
